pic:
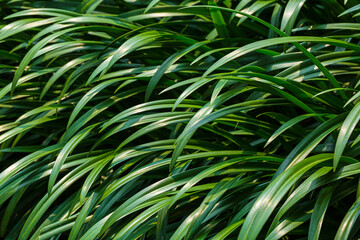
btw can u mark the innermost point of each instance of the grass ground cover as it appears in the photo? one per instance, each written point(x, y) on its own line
point(134, 119)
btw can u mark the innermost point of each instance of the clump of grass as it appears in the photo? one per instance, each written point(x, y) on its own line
point(179, 120)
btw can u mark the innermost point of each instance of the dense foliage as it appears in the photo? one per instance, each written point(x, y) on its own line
point(130, 119)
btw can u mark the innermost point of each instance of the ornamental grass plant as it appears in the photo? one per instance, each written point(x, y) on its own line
point(171, 120)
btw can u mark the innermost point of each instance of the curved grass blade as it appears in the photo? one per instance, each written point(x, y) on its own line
point(345, 132)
